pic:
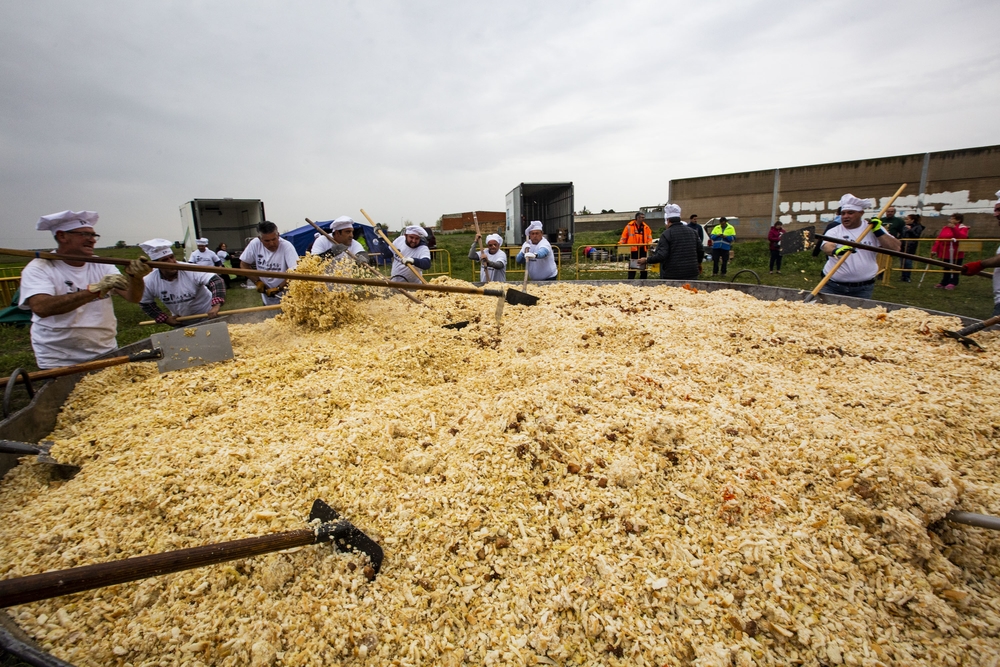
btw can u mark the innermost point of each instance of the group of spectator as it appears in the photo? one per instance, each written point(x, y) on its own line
point(673, 248)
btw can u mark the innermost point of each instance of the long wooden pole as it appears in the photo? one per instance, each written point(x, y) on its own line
point(843, 259)
point(395, 250)
point(201, 316)
point(482, 255)
point(370, 270)
point(253, 273)
point(957, 268)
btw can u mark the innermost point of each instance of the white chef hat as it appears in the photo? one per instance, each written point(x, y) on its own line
point(998, 196)
point(66, 221)
point(495, 237)
point(535, 224)
point(671, 211)
point(202, 241)
point(416, 229)
point(157, 248)
point(851, 203)
point(343, 222)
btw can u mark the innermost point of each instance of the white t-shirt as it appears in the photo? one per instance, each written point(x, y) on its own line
point(487, 274)
point(207, 258)
point(399, 270)
point(282, 259)
point(187, 294)
point(861, 265)
point(76, 336)
point(541, 268)
point(322, 244)
point(222, 255)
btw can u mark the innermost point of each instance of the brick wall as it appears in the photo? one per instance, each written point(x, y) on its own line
point(489, 221)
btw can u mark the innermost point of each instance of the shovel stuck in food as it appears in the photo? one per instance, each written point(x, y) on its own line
point(342, 533)
point(61, 470)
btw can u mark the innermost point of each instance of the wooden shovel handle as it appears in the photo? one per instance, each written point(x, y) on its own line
point(188, 318)
point(395, 250)
point(85, 367)
point(843, 258)
point(63, 582)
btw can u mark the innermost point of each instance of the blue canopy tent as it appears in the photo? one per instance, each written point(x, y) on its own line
point(302, 238)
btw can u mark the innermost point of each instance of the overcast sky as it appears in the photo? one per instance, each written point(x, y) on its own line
point(415, 109)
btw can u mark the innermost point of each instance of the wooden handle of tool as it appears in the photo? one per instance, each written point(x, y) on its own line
point(903, 255)
point(395, 250)
point(370, 270)
point(188, 318)
point(843, 259)
point(979, 326)
point(253, 273)
point(63, 582)
point(72, 370)
point(479, 235)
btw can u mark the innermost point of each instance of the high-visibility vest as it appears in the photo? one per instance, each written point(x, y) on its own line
point(634, 235)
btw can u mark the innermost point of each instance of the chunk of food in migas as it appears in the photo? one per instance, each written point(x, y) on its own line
point(618, 474)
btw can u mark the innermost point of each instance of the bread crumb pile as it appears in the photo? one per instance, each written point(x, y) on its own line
point(616, 476)
point(322, 306)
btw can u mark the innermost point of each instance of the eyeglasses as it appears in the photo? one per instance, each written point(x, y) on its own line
point(86, 235)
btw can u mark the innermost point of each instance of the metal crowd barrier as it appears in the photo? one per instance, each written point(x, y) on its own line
point(606, 258)
point(514, 269)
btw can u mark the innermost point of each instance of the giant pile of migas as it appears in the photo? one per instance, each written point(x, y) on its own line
point(618, 475)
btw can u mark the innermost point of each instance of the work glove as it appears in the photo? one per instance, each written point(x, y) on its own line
point(530, 255)
point(138, 267)
point(261, 287)
point(542, 252)
point(273, 291)
point(877, 228)
point(972, 268)
point(408, 261)
point(843, 250)
point(109, 282)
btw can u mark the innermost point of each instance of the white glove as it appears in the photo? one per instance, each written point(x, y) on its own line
point(109, 282)
point(407, 260)
point(138, 267)
point(530, 255)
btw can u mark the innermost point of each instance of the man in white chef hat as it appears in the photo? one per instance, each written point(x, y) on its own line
point(973, 268)
point(856, 277)
point(72, 318)
point(492, 261)
point(342, 231)
point(202, 255)
point(416, 255)
point(182, 292)
point(536, 252)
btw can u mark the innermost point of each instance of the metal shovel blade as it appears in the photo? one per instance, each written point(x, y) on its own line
point(193, 346)
point(352, 539)
point(519, 298)
point(41, 450)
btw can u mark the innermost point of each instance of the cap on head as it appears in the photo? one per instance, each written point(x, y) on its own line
point(343, 222)
point(157, 248)
point(66, 221)
point(671, 211)
point(535, 225)
point(202, 241)
point(851, 203)
point(495, 237)
point(416, 230)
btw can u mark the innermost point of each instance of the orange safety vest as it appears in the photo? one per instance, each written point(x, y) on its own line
point(633, 235)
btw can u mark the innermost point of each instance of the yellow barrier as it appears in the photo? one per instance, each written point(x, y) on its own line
point(887, 265)
point(605, 258)
point(440, 264)
point(8, 285)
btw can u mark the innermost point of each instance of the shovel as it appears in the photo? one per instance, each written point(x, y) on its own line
point(172, 350)
point(962, 335)
point(344, 535)
point(61, 470)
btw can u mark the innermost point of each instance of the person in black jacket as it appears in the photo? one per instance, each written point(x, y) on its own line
point(679, 251)
point(911, 230)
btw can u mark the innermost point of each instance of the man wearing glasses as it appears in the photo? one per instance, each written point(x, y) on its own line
point(72, 318)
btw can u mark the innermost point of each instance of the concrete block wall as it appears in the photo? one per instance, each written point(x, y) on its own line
point(961, 181)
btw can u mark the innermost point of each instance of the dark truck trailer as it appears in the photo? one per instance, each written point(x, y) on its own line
point(229, 221)
point(550, 203)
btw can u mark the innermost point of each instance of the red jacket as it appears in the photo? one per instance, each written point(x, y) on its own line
point(774, 237)
point(946, 246)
